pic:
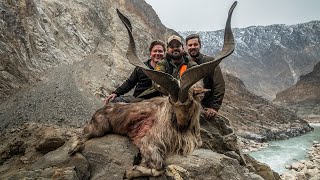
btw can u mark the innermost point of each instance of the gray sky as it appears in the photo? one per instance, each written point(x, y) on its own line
point(212, 14)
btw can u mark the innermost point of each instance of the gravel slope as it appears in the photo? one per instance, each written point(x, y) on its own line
point(57, 99)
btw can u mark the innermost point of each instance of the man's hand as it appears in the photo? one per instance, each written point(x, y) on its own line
point(209, 113)
point(110, 98)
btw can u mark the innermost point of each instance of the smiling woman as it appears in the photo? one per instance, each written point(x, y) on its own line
point(181, 15)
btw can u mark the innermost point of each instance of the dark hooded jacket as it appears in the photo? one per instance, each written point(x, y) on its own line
point(140, 81)
point(215, 82)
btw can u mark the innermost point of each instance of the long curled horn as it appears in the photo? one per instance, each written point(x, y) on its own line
point(194, 74)
point(166, 81)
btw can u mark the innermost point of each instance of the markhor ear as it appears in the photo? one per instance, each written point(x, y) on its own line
point(197, 91)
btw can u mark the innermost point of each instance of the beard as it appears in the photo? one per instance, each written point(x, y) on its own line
point(176, 55)
point(194, 53)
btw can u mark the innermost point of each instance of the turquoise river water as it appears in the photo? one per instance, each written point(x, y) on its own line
point(280, 153)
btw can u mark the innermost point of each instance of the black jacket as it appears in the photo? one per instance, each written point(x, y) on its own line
point(215, 82)
point(140, 81)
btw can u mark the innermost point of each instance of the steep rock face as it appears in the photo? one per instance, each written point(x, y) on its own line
point(271, 58)
point(304, 96)
point(60, 53)
point(37, 35)
point(257, 118)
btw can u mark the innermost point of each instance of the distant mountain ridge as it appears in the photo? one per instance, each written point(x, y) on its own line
point(264, 120)
point(268, 59)
point(304, 96)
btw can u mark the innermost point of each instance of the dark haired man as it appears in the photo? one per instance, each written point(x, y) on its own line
point(213, 99)
point(139, 80)
point(176, 61)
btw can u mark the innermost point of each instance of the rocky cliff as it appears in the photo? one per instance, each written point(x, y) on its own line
point(268, 59)
point(38, 35)
point(304, 96)
point(83, 43)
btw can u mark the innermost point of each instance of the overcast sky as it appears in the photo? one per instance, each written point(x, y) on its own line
point(211, 14)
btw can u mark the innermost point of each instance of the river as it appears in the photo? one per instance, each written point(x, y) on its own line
point(283, 152)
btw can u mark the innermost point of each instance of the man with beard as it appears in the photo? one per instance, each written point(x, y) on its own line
point(176, 61)
point(139, 80)
point(213, 99)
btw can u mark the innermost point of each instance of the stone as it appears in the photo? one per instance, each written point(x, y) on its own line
point(310, 173)
point(288, 166)
point(50, 140)
point(206, 164)
point(109, 156)
point(288, 176)
point(310, 165)
point(297, 166)
point(262, 169)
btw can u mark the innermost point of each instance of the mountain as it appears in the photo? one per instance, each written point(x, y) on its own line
point(268, 59)
point(256, 118)
point(60, 58)
point(304, 97)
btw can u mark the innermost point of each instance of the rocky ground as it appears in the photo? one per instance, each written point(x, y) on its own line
point(67, 96)
point(305, 169)
point(37, 151)
point(249, 145)
point(313, 119)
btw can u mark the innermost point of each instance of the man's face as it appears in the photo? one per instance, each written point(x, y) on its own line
point(157, 53)
point(193, 47)
point(175, 50)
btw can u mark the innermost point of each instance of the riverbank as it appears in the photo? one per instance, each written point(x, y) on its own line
point(305, 169)
point(248, 145)
point(312, 119)
point(257, 142)
point(286, 152)
point(289, 130)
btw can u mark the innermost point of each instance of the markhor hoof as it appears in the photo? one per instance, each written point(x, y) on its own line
point(139, 171)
